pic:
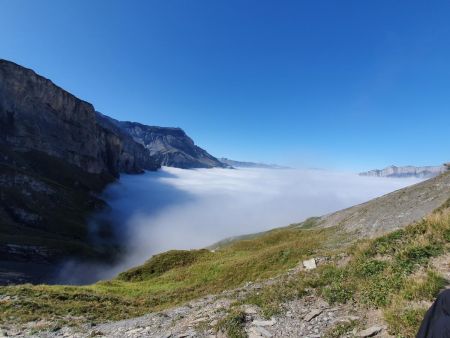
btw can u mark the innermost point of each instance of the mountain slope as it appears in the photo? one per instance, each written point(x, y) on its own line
point(394, 210)
point(406, 171)
point(241, 164)
point(393, 273)
point(55, 158)
point(171, 146)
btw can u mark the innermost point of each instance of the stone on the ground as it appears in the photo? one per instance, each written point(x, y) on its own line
point(371, 331)
point(312, 314)
point(310, 264)
point(250, 310)
point(258, 331)
point(264, 322)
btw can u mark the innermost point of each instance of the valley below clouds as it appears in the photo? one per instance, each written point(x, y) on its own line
point(187, 209)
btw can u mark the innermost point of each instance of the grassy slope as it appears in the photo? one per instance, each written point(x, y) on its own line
point(391, 273)
point(163, 281)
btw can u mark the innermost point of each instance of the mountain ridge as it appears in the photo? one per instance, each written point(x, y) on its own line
point(406, 171)
point(246, 164)
point(57, 154)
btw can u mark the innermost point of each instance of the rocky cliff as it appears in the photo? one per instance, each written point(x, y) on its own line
point(56, 155)
point(171, 146)
point(407, 171)
point(241, 164)
point(37, 115)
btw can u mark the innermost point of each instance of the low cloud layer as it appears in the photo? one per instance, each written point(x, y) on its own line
point(185, 209)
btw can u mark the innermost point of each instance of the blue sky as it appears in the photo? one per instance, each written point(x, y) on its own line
point(337, 84)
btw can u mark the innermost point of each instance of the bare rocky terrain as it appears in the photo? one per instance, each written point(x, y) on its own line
point(392, 211)
point(309, 316)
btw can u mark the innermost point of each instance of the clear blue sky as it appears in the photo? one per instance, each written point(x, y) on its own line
point(340, 84)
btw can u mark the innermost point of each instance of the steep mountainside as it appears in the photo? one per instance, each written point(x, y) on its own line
point(242, 164)
point(406, 171)
point(394, 210)
point(55, 156)
point(171, 146)
point(304, 280)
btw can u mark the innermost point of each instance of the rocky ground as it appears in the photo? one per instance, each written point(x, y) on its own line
point(392, 211)
point(309, 316)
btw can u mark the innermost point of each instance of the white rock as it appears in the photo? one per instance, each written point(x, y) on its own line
point(250, 310)
point(264, 322)
point(199, 320)
point(312, 314)
point(258, 331)
point(371, 331)
point(310, 264)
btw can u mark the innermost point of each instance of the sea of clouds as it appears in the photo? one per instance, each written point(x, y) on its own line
point(186, 209)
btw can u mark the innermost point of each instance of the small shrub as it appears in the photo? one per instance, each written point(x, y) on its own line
point(425, 289)
point(377, 291)
point(403, 320)
point(233, 325)
point(340, 330)
point(369, 268)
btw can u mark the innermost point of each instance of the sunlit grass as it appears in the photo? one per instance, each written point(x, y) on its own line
point(172, 278)
point(391, 273)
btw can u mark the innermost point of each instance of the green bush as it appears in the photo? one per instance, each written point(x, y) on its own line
point(233, 325)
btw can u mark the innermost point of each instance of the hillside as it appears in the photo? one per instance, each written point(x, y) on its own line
point(54, 161)
point(171, 146)
point(382, 284)
point(392, 211)
point(57, 154)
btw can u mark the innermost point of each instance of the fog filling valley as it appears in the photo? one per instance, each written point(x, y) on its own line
point(187, 209)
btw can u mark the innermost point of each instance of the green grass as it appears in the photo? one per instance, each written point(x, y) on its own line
point(172, 278)
point(233, 325)
point(340, 329)
point(391, 273)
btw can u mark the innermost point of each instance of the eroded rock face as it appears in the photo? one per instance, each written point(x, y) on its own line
point(56, 155)
point(407, 171)
point(35, 114)
point(171, 146)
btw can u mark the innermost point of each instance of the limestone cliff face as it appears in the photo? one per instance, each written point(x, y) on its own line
point(407, 171)
point(35, 114)
point(133, 156)
point(171, 146)
point(56, 155)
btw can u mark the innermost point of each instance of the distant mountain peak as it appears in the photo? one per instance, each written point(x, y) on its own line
point(242, 164)
point(407, 171)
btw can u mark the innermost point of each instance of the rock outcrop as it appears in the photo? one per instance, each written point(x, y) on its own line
point(391, 211)
point(241, 164)
point(407, 171)
point(35, 114)
point(171, 146)
point(56, 155)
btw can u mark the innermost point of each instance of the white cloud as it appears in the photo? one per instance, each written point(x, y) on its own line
point(184, 209)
